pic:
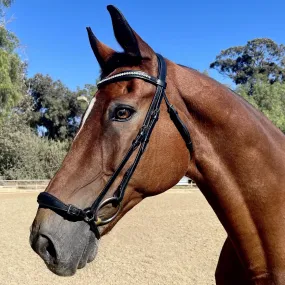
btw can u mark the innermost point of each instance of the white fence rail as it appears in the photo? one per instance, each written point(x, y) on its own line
point(185, 181)
point(42, 184)
point(23, 184)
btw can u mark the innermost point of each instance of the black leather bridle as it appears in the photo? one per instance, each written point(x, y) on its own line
point(90, 214)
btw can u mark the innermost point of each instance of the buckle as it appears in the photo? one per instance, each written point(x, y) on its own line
point(73, 211)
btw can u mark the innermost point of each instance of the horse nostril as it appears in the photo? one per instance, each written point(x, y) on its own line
point(45, 248)
point(51, 250)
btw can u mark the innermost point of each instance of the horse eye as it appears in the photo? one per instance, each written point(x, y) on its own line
point(123, 113)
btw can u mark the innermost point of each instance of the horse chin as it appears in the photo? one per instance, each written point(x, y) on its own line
point(90, 253)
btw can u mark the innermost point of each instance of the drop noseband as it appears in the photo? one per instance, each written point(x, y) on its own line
point(90, 214)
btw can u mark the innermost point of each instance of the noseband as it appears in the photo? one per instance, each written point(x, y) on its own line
point(90, 214)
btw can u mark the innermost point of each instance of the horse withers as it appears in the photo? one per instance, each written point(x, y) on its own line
point(150, 123)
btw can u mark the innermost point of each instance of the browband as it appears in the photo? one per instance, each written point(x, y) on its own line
point(130, 74)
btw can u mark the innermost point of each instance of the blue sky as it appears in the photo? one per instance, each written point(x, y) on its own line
point(54, 38)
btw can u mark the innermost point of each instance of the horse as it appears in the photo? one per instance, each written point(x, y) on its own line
point(150, 123)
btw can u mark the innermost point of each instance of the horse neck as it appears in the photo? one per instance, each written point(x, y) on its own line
point(238, 164)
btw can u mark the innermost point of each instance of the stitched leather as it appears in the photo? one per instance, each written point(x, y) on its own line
point(47, 200)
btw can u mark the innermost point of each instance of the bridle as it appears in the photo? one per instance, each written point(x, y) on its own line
point(90, 214)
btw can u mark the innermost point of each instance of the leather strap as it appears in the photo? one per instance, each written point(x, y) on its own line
point(47, 200)
point(70, 212)
point(144, 133)
point(179, 124)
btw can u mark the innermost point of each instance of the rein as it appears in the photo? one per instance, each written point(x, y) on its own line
point(90, 214)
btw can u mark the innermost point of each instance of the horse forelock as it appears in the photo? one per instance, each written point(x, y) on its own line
point(118, 59)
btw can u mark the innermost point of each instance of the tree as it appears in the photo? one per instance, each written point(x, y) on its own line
point(269, 98)
point(12, 85)
point(25, 155)
point(12, 69)
point(87, 93)
point(57, 111)
point(258, 57)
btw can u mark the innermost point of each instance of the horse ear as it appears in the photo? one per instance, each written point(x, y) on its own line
point(129, 40)
point(101, 51)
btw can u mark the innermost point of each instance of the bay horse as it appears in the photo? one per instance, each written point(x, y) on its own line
point(232, 151)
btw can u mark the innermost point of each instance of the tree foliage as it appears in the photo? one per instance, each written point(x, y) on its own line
point(268, 98)
point(258, 69)
point(258, 57)
point(87, 92)
point(38, 116)
point(25, 155)
point(11, 81)
point(57, 111)
point(8, 40)
point(12, 69)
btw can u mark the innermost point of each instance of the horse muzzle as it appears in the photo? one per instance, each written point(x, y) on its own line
point(64, 246)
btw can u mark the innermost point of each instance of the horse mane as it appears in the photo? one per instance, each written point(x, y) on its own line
point(187, 67)
point(121, 59)
point(231, 90)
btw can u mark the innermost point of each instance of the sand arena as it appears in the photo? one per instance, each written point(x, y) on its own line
point(173, 238)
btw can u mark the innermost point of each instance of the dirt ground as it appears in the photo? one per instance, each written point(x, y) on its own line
point(173, 238)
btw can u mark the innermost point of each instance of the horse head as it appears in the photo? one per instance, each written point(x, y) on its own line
point(111, 152)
